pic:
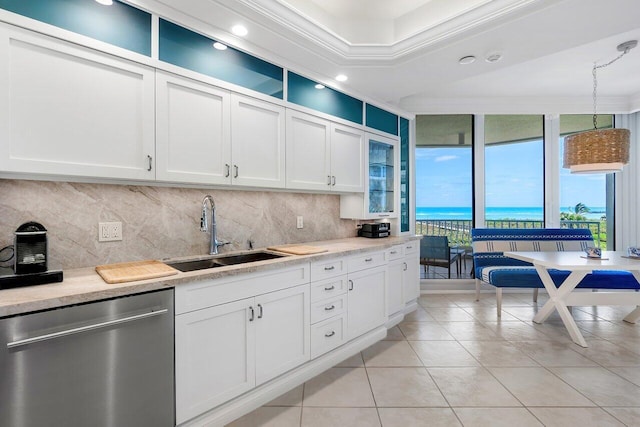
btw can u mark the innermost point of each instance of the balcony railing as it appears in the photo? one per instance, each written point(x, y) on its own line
point(459, 231)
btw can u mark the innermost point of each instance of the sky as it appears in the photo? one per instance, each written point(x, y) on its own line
point(513, 173)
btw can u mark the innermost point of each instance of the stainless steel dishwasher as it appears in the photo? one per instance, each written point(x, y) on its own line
point(106, 363)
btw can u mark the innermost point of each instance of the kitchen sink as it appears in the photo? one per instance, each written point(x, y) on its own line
point(243, 258)
point(201, 264)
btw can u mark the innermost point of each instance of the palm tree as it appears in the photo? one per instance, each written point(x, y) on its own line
point(581, 208)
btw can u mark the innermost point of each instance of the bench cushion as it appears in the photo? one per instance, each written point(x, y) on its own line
point(527, 277)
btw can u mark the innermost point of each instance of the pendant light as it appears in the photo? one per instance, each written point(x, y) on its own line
point(599, 150)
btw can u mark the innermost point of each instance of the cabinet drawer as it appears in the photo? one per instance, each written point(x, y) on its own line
point(323, 310)
point(328, 288)
point(328, 268)
point(369, 260)
point(411, 247)
point(395, 252)
point(327, 335)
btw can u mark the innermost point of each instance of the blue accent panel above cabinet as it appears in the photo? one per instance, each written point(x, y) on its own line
point(380, 119)
point(187, 49)
point(404, 175)
point(302, 91)
point(119, 24)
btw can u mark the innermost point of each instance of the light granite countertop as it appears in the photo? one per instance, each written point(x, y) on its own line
point(85, 285)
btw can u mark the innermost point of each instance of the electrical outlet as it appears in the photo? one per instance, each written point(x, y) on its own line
point(109, 231)
point(299, 222)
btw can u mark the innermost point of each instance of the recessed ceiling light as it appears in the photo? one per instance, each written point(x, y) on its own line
point(493, 57)
point(319, 86)
point(105, 2)
point(239, 30)
point(341, 78)
point(465, 60)
point(220, 46)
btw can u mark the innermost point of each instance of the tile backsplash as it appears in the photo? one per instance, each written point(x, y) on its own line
point(160, 222)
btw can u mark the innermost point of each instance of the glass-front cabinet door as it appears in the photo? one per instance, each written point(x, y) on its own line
point(381, 187)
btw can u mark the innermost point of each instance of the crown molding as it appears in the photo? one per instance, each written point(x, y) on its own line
point(327, 40)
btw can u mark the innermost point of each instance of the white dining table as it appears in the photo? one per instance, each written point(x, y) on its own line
point(567, 295)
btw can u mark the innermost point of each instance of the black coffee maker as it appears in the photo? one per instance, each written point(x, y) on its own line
point(30, 247)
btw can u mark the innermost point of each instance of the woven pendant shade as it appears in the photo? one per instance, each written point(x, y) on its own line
point(597, 151)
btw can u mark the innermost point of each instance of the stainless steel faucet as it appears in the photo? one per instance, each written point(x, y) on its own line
point(214, 244)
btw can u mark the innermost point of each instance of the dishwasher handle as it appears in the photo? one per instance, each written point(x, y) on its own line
point(81, 329)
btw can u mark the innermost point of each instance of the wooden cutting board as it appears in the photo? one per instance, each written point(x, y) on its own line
point(298, 249)
point(136, 270)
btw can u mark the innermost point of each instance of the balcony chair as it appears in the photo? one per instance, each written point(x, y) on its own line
point(435, 251)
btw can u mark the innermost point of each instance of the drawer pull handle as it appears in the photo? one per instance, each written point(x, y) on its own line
point(328, 179)
point(329, 268)
point(331, 307)
point(235, 171)
point(393, 252)
point(150, 162)
point(330, 334)
point(259, 311)
point(409, 247)
point(228, 170)
point(350, 285)
point(368, 260)
point(252, 314)
point(330, 288)
point(405, 266)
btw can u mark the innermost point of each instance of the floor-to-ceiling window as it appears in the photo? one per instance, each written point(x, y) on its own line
point(514, 171)
point(444, 193)
point(586, 200)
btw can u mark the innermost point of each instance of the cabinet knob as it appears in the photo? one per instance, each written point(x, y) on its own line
point(330, 334)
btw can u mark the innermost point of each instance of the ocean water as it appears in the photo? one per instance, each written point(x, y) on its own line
point(493, 213)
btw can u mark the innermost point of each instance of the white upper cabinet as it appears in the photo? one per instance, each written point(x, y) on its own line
point(322, 155)
point(69, 110)
point(308, 152)
point(347, 158)
point(257, 143)
point(193, 131)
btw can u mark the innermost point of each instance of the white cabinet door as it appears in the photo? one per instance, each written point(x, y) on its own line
point(366, 300)
point(282, 331)
point(215, 357)
point(411, 281)
point(257, 143)
point(308, 152)
point(347, 159)
point(193, 138)
point(395, 298)
point(69, 110)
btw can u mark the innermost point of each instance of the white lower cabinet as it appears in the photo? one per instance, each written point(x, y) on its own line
point(226, 350)
point(366, 300)
point(215, 357)
point(282, 322)
point(411, 278)
point(395, 295)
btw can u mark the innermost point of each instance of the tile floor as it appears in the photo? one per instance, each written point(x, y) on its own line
point(453, 362)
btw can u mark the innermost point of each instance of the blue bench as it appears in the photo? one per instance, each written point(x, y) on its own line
point(494, 268)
